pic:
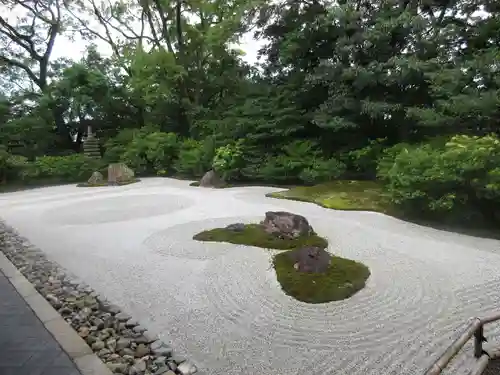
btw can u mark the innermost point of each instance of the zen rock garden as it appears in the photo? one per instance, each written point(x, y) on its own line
point(305, 270)
point(117, 174)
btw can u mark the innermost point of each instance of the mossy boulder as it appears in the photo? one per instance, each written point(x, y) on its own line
point(119, 173)
point(337, 279)
point(96, 179)
point(256, 235)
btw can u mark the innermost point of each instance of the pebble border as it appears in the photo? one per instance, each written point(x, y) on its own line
point(120, 342)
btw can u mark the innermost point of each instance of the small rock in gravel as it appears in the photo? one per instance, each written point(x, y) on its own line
point(111, 344)
point(126, 351)
point(157, 344)
point(104, 352)
point(98, 345)
point(141, 350)
point(99, 323)
point(91, 339)
point(139, 329)
point(160, 361)
point(84, 332)
point(129, 358)
point(172, 365)
point(187, 368)
point(142, 340)
point(178, 359)
point(86, 312)
point(122, 343)
point(54, 301)
point(117, 368)
point(131, 323)
point(113, 309)
point(65, 311)
point(122, 317)
point(138, 367)
point(115, 357)
point(103, 335)
point(164, 350)
point(164, 371)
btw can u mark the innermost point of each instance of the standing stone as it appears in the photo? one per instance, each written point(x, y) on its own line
point(310, 259)
point(211, 179)
point(96, 179)
point(287, 225)
point(119, 173)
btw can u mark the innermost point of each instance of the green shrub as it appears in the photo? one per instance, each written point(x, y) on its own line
point(301, 161)
point(117, 146)
point(228, 159)
point(11, 166)
point(459, 181)
point(387, 158)
point(363, 161)
point(73, 168)
point(150, 153)
point(195, 158)
point(322, 170)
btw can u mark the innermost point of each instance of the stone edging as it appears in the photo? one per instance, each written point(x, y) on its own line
point(86, 361)
point(81, 320)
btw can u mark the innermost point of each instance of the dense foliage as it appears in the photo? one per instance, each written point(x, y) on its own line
point(408, 91)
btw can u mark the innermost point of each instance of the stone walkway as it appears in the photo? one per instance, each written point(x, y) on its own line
point(26, 347)
point(220, 304)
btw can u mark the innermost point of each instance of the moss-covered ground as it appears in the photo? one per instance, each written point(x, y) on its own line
point(343, 279)
point(255, 235)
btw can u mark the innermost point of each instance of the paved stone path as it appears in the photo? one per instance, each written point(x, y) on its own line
point(26, 347)
point(220, 304)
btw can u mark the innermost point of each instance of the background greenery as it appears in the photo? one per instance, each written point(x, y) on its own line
point(402, 92)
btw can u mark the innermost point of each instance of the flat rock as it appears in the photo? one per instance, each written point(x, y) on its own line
point(187, 368)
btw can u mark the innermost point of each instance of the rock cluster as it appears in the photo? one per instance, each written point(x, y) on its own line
point(286, 225)
point(121, 343)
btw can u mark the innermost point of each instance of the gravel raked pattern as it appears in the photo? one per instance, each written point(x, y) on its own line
point(220, 305)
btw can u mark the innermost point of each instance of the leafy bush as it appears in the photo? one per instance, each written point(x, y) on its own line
point(73, 168)
point(322, 170)
point(150, 153)
point(195, 158)
point(228, 159)
point(387, 158)
point(11, 166)
point(363, 161)
point(117, 146)
point(459, 181)
point(301, 161)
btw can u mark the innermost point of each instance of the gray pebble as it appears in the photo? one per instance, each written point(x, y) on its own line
point(172, 365)
point(119, 368)
point(98, 345)
point(122, 343)
point(122, 317)
point(187, 368)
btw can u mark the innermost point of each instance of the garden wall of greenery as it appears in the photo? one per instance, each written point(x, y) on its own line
point(404, 94)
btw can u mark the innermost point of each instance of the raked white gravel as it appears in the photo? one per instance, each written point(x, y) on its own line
point(220, 304)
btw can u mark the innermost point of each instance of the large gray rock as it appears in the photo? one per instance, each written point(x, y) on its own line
point(96, 179)
point(119, 173)
point(310, 259)
point(286, 225)
point(211, 179)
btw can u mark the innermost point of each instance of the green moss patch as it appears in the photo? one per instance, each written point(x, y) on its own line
point(340, 195)
point(254, 235)
point(105, 183)
point(343, 279)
